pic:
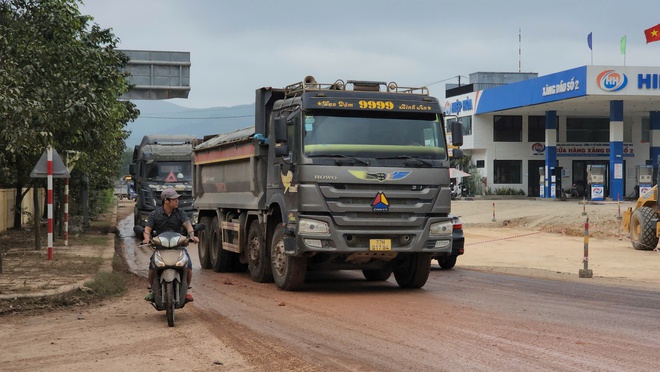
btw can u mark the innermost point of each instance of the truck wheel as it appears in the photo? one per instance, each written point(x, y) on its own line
point(221, 261)
point(136, 221)
point(204, 243)
point(258, 255)
point(288, 271)
point(447, 262)
point(413, 271)
point(377, 275)
point(642, 231)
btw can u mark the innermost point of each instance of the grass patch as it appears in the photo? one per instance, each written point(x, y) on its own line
point(102, 286)
point(106, 284)
point(88, 239)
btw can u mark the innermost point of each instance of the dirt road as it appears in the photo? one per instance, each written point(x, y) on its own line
point(461, 320)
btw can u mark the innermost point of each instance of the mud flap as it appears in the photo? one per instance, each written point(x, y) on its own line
point(289, 244)
point(170, 275)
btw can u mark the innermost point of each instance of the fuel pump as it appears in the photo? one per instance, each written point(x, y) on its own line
point(644, 178)
point(542, 182)
point(555, 182)
point(596, 181)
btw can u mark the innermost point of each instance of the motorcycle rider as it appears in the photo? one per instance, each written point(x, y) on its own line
point(168, 217)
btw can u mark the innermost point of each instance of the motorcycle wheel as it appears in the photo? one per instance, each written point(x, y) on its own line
point(169, 303)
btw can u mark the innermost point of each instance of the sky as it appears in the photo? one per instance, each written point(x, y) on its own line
point(238, 46)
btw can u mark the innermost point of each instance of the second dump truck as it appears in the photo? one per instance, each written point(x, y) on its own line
point(161, 162)
point(333, 176)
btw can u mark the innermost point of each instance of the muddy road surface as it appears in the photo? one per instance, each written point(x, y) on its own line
point(463, 319)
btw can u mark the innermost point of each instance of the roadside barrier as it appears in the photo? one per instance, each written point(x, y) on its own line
point(493, 213)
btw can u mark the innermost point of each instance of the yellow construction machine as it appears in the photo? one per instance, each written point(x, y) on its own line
point(642, 221)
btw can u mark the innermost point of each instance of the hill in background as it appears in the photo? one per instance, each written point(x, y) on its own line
point(163, 117)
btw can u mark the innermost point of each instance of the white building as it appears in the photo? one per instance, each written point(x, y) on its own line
point(590, 118)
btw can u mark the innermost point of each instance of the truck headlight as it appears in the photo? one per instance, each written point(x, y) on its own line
point(443, 228)
point(314, 227)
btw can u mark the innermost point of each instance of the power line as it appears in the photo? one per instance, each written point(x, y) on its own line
point(192, 118)
point(447, 79)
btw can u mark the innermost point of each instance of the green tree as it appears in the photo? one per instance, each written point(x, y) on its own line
point(126, 160)
point(60, 82)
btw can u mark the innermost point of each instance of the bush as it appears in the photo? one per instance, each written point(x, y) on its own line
point(504, 191)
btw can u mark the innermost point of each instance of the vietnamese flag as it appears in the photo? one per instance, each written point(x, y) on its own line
point(652, 34)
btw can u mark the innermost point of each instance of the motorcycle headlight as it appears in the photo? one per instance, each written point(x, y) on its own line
point(312, 227)
point(182, 260)
point(170, 242)
point(443, 228)
point(158, 260)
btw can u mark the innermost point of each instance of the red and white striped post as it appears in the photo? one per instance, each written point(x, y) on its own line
point(50, 201)
point(66, 212)
point(586, 272)
point(493, 220)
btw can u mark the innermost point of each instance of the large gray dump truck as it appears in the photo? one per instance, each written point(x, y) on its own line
point(161, 162)
point(344, 176)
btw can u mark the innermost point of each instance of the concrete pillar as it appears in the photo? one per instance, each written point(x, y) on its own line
point(654, 136)
point(616, 150)
point(550, 148)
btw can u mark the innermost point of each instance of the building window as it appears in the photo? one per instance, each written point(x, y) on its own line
point(507, 129)
point(586, 130)
point(481, 163)
point(466, 122)
point(646, 129)
point(507, 171)
point(536, 126)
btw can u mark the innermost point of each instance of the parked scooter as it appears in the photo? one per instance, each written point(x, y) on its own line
point(170, 283)
point(454, 193)
point(464, 189)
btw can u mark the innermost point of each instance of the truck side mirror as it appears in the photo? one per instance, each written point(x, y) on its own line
point(280, 130)
point(457, 133)
point(456, 153)
point(281, 150)
point(131, 169)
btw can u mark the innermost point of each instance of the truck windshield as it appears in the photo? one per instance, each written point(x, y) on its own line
point(172, 171)
point(374, 136)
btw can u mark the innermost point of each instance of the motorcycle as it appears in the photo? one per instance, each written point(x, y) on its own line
point(464, 190)
point(170, 283)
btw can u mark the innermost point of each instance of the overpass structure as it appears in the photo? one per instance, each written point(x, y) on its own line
point(157, 74)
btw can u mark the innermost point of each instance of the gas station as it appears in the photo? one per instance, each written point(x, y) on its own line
point(591, 131)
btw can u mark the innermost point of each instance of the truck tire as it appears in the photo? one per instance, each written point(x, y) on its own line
point(413, 271)
point(203, 249)
point(447, 262)
point(136, 221)
point(221, 260)
point(377, 275)
point(288, 271)
point(642, 231)
point(258, 255)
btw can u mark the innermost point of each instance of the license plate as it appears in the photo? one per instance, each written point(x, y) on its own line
point(380, 244)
